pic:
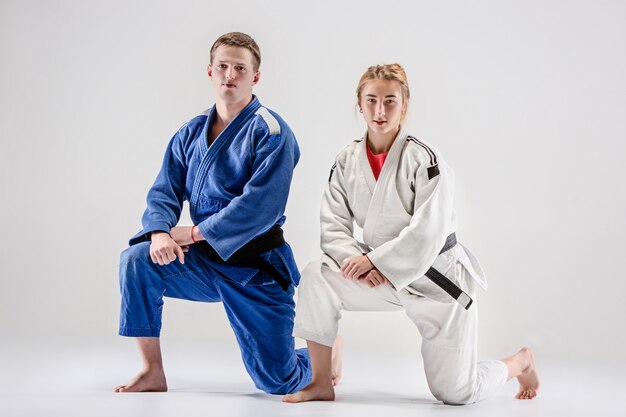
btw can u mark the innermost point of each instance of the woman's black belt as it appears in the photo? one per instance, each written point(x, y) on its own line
point(445, 283)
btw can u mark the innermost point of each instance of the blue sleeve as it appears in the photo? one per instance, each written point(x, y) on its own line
point(262, 202)
point(165, 198)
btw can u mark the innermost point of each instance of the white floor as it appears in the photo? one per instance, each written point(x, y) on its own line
point(75, 379)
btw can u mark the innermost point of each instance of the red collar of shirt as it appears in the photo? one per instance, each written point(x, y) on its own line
point(376, 161)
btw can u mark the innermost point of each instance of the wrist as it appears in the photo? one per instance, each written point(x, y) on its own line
point(196, 236)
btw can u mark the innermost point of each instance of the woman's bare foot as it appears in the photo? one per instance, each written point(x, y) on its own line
point(337, 359)
point(148, 380)
point(529, 378)
point(522, 366)
point(313, 392)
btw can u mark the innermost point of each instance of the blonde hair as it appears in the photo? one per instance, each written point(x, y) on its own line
point(390, 72)
point(240, 40)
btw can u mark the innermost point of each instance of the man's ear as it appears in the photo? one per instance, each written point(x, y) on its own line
point(257, 77)
point(209, 70)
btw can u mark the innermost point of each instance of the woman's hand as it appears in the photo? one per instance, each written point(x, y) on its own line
point(353, 268)
point(374, 278)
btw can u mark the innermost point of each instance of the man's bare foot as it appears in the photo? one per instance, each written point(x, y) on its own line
point(313, 392)
point(150, 380)
point(337, 359)
point(529, 378)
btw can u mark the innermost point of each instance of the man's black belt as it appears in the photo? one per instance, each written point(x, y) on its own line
point(445, 283)
point(249, 255)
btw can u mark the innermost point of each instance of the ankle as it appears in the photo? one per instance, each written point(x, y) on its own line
point(323, 382)
point(152, 368)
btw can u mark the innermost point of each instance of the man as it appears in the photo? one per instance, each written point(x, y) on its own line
point(234, 165)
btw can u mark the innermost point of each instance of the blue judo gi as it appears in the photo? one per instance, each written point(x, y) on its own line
point(237, 189)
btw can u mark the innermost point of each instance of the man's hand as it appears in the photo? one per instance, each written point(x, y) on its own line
point(356, 266)
point(164, 249)
point(374, 278)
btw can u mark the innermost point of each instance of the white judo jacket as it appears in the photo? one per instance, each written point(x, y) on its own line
point(406, 215)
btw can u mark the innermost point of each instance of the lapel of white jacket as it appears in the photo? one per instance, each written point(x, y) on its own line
point(390, 167)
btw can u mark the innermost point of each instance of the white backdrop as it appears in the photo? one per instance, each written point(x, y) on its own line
point(526, 100)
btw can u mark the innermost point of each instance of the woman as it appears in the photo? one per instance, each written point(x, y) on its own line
point(400, 192)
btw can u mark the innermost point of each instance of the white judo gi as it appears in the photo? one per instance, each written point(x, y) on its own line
point(406, 217)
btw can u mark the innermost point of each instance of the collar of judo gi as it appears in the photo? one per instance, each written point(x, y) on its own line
point(233, 127)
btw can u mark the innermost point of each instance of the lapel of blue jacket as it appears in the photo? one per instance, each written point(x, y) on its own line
point(210, 153)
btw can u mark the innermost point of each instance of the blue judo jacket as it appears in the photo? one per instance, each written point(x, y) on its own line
point(237, 186)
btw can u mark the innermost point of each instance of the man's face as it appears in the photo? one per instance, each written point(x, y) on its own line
point(232, 74)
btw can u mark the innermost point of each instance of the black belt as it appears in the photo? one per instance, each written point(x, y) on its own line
point(444, 282)
point(249, 255)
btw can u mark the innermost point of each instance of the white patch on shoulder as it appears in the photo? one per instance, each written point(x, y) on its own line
point(271, 121)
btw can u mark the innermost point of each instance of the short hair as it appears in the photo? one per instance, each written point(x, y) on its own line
point(392, 72)
point(240, 40)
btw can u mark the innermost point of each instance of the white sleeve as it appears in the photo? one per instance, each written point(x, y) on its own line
point(336, 219)
point(408, 256)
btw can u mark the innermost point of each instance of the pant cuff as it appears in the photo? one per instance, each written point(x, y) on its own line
point(130, 332)
point(322, 339)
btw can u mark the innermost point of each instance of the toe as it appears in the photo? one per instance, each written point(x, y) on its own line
point(290, 398)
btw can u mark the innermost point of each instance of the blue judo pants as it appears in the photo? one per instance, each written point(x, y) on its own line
point(261, 313)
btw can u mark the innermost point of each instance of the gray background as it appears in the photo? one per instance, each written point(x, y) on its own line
point(526, 100)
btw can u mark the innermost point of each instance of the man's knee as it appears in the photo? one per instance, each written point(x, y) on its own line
point(133, 261)
point(135, 253)
point(278, 383)
point(274, 364)
point(270, 385)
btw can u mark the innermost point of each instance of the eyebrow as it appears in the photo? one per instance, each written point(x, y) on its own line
point(236, 63)
point(387, 96)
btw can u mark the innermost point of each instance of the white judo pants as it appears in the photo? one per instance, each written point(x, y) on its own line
point(449, 343)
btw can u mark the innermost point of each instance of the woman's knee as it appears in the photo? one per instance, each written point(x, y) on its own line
point(459, 396)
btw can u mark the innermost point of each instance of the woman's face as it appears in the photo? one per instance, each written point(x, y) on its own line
point(383, 105)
